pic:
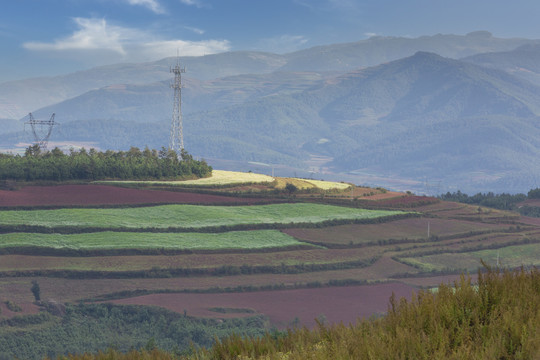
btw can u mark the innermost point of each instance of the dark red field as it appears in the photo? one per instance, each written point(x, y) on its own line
point(26, 309)
point(76, 195)
point(337, 304)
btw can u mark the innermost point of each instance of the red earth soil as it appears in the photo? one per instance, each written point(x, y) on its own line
point(441, 279)
point(26, 309)
point(337, 304)
point(529, 220)
point(77, 195)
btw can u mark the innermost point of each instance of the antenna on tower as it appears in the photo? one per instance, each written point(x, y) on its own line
point(42, 130)
point(176, 142)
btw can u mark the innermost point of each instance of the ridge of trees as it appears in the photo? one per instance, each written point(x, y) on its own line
point(55, 165)
point(502, 201)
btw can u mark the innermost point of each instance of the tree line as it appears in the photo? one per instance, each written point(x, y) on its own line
point(134, 164)
point(498, 201)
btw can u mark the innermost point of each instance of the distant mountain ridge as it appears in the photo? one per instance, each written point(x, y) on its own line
point(17, 98)
point(463, 123)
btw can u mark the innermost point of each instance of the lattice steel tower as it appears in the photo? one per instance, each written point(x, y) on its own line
point(42, 130)
point(176, 141)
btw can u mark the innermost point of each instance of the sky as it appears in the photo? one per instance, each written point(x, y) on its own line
point(54, 37)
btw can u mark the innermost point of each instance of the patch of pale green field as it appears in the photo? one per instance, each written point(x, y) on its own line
point(186, 216)
point(510, 256)
point(259, 239)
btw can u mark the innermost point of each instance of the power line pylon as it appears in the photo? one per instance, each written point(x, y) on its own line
point(176, 142)
point(42, 130)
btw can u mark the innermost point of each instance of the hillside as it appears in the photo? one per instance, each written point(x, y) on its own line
point(167, 263)
point(522, 61)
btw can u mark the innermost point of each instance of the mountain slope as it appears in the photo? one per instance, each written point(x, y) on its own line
point(379, 49)
point(18, 98)
point(153, 102)
point(430, 116)
point(523, 61)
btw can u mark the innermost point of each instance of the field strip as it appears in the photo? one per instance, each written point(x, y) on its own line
point(224, 178)
point(218, 178)
point(257, 239)
point(401, 230)
point(304, 184)
point(187, 261)
point(509, 256)
point(186, 216)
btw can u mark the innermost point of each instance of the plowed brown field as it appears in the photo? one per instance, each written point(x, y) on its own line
point(80, 195)
point(334, 304)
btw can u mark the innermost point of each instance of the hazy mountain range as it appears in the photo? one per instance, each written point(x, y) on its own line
point(461, 112)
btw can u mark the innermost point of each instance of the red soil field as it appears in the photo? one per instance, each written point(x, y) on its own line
point(530, 202)
point(404, 201)
point(27, 309)
point(412, 228)
point(337, 304)
point(529, 220)
point(386, 195)
point(78, 195)
point(192, 261)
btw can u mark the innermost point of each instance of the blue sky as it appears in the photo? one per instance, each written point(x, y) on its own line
point(52, 37)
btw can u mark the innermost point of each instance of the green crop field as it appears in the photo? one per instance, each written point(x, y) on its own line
point(187, 216)
point(259, 239)
point(510, 256)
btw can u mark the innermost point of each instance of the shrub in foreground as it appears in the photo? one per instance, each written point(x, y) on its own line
point(499, 318)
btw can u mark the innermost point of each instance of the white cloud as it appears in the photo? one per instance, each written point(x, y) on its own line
point(93, 34)
point(116, 43)
point(283, 44)
point(153, 5)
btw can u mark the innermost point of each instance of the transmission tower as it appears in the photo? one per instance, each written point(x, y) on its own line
point(176, 142)
point(41, 129)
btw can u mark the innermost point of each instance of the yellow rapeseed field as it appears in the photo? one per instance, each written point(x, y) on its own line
point(223, 178)
point(308, 184)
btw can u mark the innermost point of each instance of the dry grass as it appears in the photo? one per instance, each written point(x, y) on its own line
point(304, 184)
point(219, 178)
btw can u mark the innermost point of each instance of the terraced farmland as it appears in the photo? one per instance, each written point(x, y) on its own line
point(206, 245)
